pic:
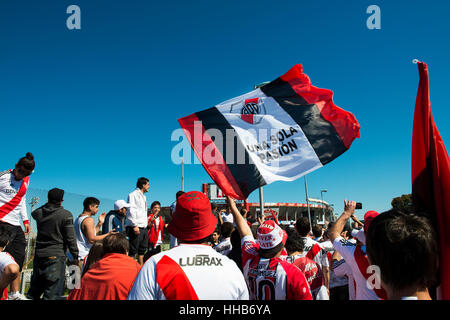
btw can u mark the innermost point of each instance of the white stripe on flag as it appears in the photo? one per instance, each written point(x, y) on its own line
point(275, 142)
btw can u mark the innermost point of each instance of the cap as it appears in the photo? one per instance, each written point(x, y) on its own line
point(368, 217)
point(192, 219)
point(269, 235)
point(55, 195)
point(119, 204)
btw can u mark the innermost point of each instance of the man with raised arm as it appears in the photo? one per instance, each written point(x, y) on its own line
point(268, 276)
point(355, 254)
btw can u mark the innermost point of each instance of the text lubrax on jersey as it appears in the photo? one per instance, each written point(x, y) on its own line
point(200, 260)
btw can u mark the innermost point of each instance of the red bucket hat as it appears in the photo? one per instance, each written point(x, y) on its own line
point(192, 219)
point(368, 217)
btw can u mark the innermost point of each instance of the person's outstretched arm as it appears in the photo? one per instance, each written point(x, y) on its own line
point(241, 223)
point(355, 219)
point(336, 229)
point(89, 230)
point(219, 216)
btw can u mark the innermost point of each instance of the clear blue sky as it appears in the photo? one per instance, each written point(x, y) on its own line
point(97, 106)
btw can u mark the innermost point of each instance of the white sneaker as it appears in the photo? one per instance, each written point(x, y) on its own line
point(17, 296)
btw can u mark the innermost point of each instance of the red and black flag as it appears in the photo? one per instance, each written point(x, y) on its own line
point(280, 131)
point(430, 166)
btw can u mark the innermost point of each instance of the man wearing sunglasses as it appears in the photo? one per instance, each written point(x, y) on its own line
point(13, 211)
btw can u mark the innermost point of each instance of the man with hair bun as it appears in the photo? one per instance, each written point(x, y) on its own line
point(13, 212)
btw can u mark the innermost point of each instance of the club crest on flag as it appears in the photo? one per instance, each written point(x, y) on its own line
point(252, 110)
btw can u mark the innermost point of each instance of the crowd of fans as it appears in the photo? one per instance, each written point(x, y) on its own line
point(390, 255)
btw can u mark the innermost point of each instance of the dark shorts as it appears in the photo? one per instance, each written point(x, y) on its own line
point(138, 242)
point(17, 244)
point(339, 293)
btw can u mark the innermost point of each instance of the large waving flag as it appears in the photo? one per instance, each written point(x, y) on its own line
point(280, 131)
point(430, 166)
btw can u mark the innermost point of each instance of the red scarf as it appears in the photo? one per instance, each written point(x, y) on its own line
point(152, 232)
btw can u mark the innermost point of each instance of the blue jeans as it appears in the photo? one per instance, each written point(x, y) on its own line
point(48, 278)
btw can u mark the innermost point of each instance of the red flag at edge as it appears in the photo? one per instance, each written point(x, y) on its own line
point(430, 166)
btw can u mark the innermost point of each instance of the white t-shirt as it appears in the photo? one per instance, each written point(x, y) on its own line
point(342, 270)
point(159, 240)
point(173, 240)
point(189, 272)
point(83, 243)
point(137, 212)
point(5, 260)
point(224, 247)
point(227, 217)
point(335, 281)
point(347, 251)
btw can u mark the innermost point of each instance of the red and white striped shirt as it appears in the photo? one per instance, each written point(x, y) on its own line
point(357, 261)
point(13, 208)
point(271, 279)
point(189, 272)
point(314, 251)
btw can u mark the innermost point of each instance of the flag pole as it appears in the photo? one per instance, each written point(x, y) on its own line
point(261, 202)
point(182, 174)
point(307, 203)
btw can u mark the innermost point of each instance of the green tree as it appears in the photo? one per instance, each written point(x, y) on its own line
point(403, 203)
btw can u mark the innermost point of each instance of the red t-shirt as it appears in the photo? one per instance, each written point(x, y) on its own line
point(312, 271)
point(111, 278)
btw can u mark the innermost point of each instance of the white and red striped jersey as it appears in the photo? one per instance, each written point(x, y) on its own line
point(316, 252)
point(189, 272)
point(13, 208)
point(356, 259)
point(5, 260)
point(224, 247)
point(342, 269)
point(271, 279)
point(313, 274)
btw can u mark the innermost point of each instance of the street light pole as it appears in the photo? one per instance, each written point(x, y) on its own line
point(307, 203)
point(261, 202)
point(323, 208)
